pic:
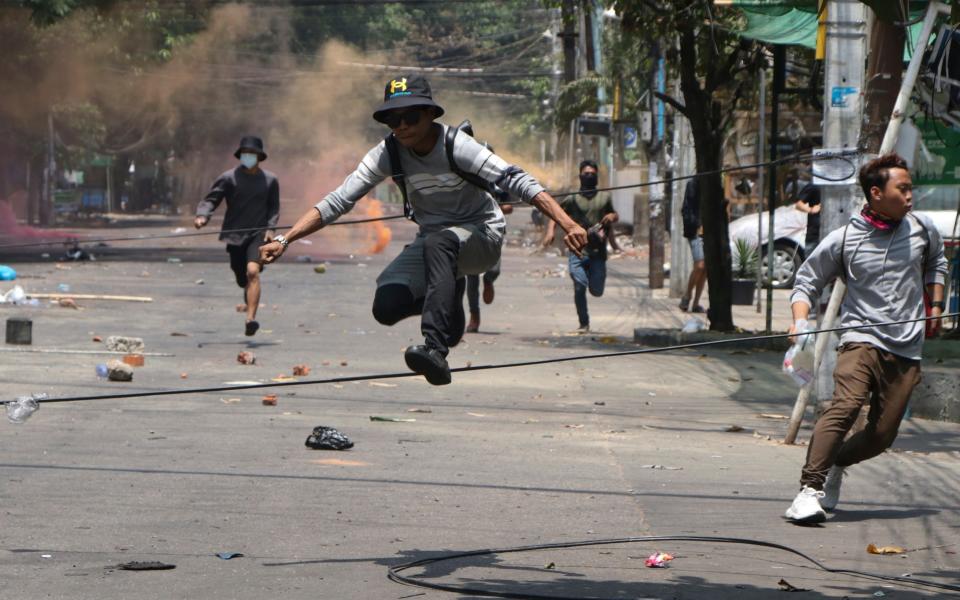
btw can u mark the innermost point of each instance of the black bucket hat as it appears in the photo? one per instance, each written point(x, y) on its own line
point(250, 142)
point(406, 91)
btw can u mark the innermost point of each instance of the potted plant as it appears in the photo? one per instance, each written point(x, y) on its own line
point(745, 260)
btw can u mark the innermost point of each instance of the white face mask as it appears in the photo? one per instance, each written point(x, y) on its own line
point(248, 159)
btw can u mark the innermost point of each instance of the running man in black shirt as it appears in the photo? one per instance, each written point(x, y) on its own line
point(253, 205)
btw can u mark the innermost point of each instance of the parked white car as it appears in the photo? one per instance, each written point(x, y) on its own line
point(789, 234)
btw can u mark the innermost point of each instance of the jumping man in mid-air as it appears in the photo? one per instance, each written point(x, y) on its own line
point(461, 225)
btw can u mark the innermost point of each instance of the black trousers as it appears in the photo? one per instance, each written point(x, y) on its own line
point(443, 320)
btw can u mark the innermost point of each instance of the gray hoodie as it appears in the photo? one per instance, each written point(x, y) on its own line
point(884, 277)
point(440, 198)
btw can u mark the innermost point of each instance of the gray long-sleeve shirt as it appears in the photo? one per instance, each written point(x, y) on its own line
point(439, 197)
point(253, 201)
point(885, 278)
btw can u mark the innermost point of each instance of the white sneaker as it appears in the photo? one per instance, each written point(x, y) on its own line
point(806, 507)
point(831, 488)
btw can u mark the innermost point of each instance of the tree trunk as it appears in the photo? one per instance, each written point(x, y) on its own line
point(705, 115)
point(713, 218)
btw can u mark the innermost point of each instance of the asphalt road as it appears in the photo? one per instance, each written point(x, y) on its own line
point(593, 449)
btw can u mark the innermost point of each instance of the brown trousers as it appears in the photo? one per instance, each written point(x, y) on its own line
point(864, 373)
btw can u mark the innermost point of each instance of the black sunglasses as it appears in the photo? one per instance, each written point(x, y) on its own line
point(410, 117)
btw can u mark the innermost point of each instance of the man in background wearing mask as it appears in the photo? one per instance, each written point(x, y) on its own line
point(253, 207)
point(594, 212)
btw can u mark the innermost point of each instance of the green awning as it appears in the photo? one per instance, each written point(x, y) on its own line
point(772, 22)
point(792, 28)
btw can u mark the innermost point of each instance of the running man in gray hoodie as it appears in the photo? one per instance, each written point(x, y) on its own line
point(887, 256)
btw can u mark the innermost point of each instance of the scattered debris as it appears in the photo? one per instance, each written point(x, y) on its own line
point(127, 345)
point(134, 360)
point(229, 400)
point(392, 419)
point(419, 410)
point(693, 325)
point(733, 429)
point(601, 403)
point(301, 370)
point(380, 384)
point(183, 375)
point(68, 303)
point(328, 438)
point(661, 467)
point(21, 409)
point(551, 566)
point(281, 378)
point(578, 426)
point(270, 400)
point(178, 334)
point(320, 269)
point(150, 565)
point(658, 560)
point(228, 555)
point(772, 416)
point(246, 358)
point(119, 371)
point(873, 549)
point(343, 363)
point(97, 339)
point(786, 586)
point(7, 273)
point(200, 282)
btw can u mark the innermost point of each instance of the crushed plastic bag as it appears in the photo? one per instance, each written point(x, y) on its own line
point(693, 325)
point(658, 560)
point(21, 409)
point(328, 438)
point(798, 362)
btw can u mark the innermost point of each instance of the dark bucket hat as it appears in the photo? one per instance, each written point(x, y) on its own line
point(406, 91)
point(254, 143)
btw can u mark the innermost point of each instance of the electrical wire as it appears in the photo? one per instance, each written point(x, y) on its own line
point(843, 156)
point(393, 573)
point(495, 366)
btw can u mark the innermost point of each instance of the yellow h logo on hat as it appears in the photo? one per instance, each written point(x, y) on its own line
point(398, 85)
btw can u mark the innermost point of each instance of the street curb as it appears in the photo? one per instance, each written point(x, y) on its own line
point(660, 338)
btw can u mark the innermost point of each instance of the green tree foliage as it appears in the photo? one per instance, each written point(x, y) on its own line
point(715, 68)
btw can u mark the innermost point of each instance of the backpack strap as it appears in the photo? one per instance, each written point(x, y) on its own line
point(843, 248)
point(470, 178)
point(926, 250)
point(396, 173)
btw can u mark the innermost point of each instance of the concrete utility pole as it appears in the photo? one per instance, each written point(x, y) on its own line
point(837, 20)
point(681, 262)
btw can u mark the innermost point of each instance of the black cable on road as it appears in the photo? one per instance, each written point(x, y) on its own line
point(393, 573)
point(509, 365)
point(844, 156)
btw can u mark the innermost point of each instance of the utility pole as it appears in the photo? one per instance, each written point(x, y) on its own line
point(49, 176)
point(680, 259)
point(656, 192)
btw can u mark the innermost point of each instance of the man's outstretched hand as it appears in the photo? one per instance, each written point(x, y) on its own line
point(200, 222)
point(270, 252)
point(576, 239)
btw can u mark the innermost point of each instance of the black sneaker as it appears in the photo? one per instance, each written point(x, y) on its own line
point(252, 327)
point(458, 320)
point(429, 363)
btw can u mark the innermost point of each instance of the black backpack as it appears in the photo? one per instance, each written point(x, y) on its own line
point(396, 168)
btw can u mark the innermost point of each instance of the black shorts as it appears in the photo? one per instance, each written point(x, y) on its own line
point(244, 253)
